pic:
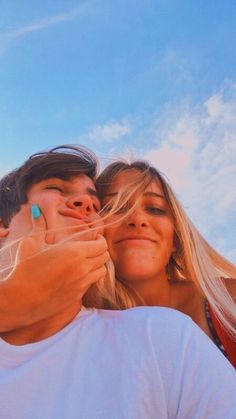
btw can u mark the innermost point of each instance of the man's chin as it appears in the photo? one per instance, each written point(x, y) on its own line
point(81, 235)
point(87, 235)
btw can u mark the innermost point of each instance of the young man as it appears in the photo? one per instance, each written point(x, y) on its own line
point(88, 363)
point(51, 289)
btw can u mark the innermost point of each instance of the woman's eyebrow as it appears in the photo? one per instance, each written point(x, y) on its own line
point(155, 194)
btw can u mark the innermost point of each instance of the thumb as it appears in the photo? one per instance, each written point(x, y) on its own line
point(100, 237)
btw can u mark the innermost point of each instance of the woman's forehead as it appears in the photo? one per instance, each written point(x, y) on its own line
point(132, 177)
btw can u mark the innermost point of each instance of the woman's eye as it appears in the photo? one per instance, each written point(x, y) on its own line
point(156, 210)
point(96, 208)
point(106, 208)
point(109, 207)
point(54, 187)
point(123, 209)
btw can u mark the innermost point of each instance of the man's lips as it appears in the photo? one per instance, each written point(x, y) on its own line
point(135, 238)
point(85, 222)
point(82, 224)
point(76, 215)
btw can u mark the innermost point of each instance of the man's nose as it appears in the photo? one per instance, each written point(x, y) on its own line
point(81, 203)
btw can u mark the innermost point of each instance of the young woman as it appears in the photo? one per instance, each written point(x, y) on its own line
point(161, 257)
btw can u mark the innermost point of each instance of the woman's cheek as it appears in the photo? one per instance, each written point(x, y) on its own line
point(108, 236)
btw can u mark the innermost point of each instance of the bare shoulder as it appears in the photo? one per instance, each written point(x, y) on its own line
point(184, 293)
point(231, 286)
point(187, 288)
point(186, 297)
point(183, 287)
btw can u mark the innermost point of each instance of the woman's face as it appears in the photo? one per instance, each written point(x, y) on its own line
point(140, 245)
point(68, 206)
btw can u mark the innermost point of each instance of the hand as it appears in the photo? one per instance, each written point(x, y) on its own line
point(48, 278)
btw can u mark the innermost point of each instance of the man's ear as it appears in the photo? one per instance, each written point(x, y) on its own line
point(3, 231)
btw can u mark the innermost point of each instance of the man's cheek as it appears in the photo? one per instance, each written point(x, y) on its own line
point(99, 227)
point(21, 223)
point(42, 201)
point(96, 224)
point(47, 208)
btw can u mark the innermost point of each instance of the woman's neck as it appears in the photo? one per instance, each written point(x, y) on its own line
point(152, 291)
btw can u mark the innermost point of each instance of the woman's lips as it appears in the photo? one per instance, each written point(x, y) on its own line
point(136, 239)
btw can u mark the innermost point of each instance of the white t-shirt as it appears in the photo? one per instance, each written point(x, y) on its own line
point(142, 363)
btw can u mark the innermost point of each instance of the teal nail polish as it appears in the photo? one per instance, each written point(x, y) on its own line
point(35, 210)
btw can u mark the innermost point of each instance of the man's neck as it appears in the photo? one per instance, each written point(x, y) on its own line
point(42, 329)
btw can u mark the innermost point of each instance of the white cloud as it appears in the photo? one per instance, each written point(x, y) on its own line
point(4, 172)
point(109, 132)
point(214, 106)
point(7, 38)
point(196, 149)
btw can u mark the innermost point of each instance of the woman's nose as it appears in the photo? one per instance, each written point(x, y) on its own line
point(137, 219)
point(81, 203)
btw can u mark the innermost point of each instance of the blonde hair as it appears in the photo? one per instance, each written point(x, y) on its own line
point(194, 259)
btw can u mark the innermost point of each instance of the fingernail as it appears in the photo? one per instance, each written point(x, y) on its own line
point(35, 211)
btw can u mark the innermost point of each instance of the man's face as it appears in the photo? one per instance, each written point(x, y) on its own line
point(68, 206)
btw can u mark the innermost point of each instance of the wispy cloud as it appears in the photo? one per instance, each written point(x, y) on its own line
point(108, 132)
point(8, 38)
point(195, 146)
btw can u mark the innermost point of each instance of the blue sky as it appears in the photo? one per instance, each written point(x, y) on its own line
point(149, 78)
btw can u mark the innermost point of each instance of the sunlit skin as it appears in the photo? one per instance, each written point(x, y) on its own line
point(141, 245)
point(68, 206)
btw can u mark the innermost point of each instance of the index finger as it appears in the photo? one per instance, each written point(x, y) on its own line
point(93, 248)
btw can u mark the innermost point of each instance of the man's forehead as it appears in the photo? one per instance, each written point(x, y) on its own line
point(80, 181)
point(84, 180)
point(81, 177)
